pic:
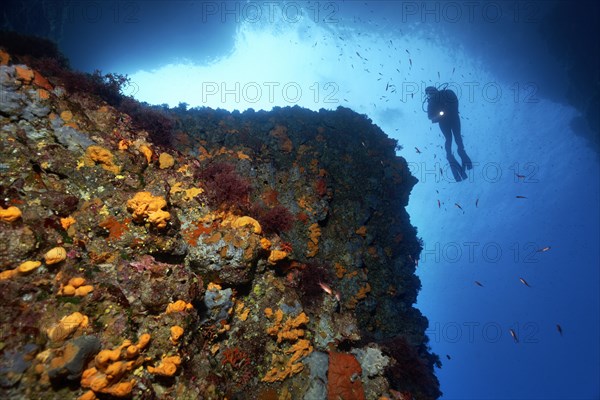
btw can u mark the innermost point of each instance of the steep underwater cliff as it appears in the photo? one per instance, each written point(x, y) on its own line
point(255, 255)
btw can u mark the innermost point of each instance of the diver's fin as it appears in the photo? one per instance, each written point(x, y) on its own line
point(457, 172)
point(466, 161)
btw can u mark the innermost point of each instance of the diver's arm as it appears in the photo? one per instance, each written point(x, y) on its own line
point(433, 112)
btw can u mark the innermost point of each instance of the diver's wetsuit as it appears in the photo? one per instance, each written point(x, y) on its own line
point(443, 108)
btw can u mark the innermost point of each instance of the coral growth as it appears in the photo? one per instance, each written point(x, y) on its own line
point(291, 331)
point(99, 155)
point(263, 205)
point(167, 366)
point(112, 368)
point(225, 188)
point(274, 220)
point(10, 214)
point(146, 207)
point(344, 377)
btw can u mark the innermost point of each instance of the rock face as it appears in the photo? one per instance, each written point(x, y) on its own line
point(245, 259)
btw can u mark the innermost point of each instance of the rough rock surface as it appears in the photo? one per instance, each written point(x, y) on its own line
point(235, 307)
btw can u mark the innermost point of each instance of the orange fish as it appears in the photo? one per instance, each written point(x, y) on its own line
point(514, 335)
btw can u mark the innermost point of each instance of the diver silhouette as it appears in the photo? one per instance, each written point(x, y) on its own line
point(442, 108)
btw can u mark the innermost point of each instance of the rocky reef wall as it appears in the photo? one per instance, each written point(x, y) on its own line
point(251, 255)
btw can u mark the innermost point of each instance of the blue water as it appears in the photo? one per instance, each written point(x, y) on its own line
point(515, 119)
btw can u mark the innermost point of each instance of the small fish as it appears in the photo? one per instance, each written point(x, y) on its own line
point(520, 197)
point(453, 69)
point(476, 202)
point(478, 283)
point(442, 174)
point(448, 357)
point(325, 288)
point(458, 205)
point(439, 204)
point(358, 54)
point(412, 95)
point(524, 282)
point(397, 70)
point(514, 335)
point(407, 52)
point(519, 176)
point(559, 329)
point(410, 62)
point(418, 151)
point(387, 86)
point(337, 296)
point(544, 249)
point(439, 75)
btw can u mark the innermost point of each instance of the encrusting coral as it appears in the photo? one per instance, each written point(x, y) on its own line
point(290, 331)
point(10, 214)
point(167, 367)
point(165, 160)
point(75, 287)
point(99, 155)
point(109, 375)
point(178, 306)
point(313, 242)
point(243, 221)
point(23, 269)
point(66, 326)
point(28, 266)
point(176, 333)
point(55, 255)
point(277, 255)
point(146, 207)
point(344, 377)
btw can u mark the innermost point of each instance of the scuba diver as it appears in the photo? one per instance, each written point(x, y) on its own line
point(442, 108)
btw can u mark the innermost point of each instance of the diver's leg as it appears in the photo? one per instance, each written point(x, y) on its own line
point(445, 128)
point(455, 168)
point(466, 161)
